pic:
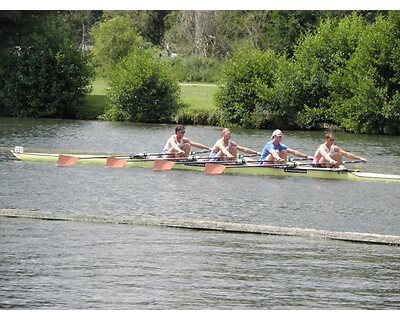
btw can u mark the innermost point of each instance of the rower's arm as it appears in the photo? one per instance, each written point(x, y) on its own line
point(326, 155)
point(224, 150)
point(246, 150)
point(297, 153)
point(199, 145)
point(275, 155)
point(350, 155)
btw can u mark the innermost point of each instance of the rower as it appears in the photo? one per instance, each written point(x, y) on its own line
point(330, 155)
point(226, 149)
point(178, 146)
point(276, 152)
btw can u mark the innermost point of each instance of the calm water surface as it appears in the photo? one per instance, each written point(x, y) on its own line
point(81, 265)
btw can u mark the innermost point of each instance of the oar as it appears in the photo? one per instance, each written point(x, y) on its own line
point(354, 161)
point(114, 161)
point(299, 159)
point(214, 168)
point(145, 154)
point(343, 162)
point(168, 163)
point(66, 161)
point(248, 155)
point(69, 160)
point(163, 164)
point(217, 168)
point(196, 152)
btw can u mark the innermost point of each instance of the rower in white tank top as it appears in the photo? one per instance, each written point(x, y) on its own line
point(178, 146)
point(170, 144)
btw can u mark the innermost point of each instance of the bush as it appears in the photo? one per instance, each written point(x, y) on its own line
point(366, 93)
point(247, 77)
point(306, 85)
point(45, 76)
point(141, 89)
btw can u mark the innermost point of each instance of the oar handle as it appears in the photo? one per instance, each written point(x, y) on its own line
point(145, 154)
point(355, 161)
point(301, 159)
point(198, 152)
point(249, 155)
point(343, 162)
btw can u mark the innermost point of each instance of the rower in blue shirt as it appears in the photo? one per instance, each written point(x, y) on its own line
point(276, 152)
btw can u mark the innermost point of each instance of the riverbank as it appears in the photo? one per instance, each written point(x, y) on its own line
point(196, 97)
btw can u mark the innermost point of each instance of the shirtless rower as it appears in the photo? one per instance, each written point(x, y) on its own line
point(226, 149)
point(178, 146)
point(330, 155)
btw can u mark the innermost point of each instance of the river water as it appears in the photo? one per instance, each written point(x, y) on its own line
point(85, 264)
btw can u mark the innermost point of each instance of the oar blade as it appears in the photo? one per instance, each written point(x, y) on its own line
point(66, 161)
point(213, 168)
point(163, 164)
point(113, 162)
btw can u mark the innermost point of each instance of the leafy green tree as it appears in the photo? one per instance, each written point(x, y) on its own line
point(149, 24)
point(316, 58)
point(280, 30)
point(142, 90)
point(366, 95)
point(80, 24)
point(245, 82)
point(45, 75)
point(19, 23)
point(114, 39)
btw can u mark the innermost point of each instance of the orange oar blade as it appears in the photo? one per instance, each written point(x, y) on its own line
point(113, 162)
point(213, 168)
point(161, 164)
point(65, 161)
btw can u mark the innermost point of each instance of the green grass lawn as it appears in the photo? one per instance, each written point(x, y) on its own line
point(195, 96)
point(94, 104)
point(198, 96)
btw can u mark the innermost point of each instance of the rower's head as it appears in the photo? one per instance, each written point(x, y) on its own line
point(277, 134)
point(330, 138)
point(179, 129)
point(226, 133)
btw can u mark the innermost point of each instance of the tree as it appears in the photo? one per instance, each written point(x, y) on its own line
point(366, 94)
point(80, 24)
point(318, 57)
point(142, 90)
point(45, 75)
point(16, 24)
point(114, 39)
point(246, 79)
point(149, 23)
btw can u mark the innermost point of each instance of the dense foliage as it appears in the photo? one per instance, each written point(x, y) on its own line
point(343, 75)
point(141, 90)
point(288, 69)
point(366, 93)
point(242, 97)
point(114, 39)
point(44, 75)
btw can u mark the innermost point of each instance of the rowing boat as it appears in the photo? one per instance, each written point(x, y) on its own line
point(302, 170)
point(293, 169)
point(139, 161)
